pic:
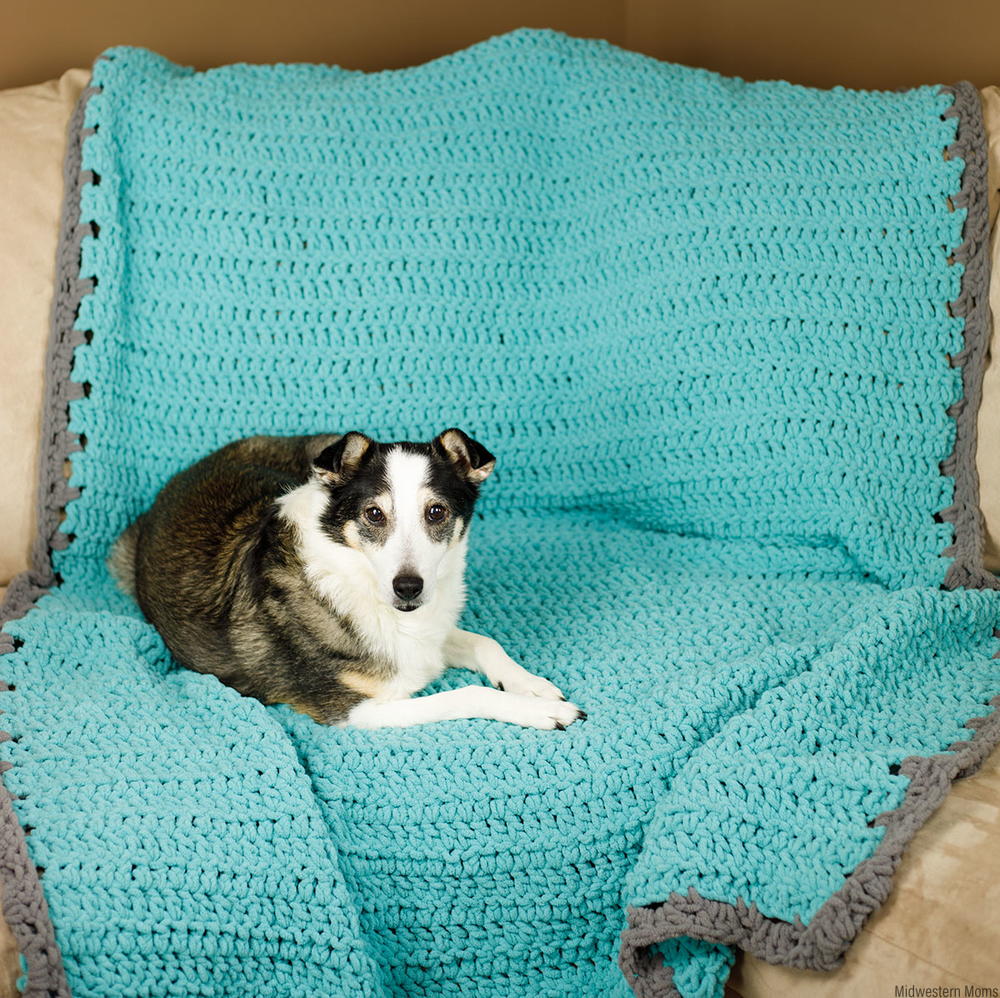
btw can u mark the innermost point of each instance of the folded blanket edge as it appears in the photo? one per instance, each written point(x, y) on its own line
point(823, 944)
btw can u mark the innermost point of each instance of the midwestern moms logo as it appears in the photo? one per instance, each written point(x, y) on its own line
point(969, 991)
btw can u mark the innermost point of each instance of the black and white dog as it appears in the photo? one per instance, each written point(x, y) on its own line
point(327, 572)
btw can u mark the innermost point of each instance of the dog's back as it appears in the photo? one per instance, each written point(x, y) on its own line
point(185, 560)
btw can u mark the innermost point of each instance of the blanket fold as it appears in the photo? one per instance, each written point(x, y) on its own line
point(726, 341)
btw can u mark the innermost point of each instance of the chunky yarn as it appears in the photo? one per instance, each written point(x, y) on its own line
point(716, 334)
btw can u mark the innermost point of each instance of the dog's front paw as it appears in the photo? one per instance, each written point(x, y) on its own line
point(528, 684)
point(543, 713)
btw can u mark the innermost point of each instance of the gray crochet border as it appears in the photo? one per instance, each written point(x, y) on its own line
point(822, 944)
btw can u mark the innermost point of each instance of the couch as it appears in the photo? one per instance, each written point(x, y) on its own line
point(938, 928)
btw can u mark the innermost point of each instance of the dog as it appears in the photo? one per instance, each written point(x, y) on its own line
point(327, 572)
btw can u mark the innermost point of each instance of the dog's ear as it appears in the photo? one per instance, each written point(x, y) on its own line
point(471, 460)
point(338, 462)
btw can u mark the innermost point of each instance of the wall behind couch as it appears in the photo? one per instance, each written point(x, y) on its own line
point(863, 43)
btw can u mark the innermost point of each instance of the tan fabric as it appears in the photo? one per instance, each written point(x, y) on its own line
point(988, 454)
point(32, 136)
point(10, 967)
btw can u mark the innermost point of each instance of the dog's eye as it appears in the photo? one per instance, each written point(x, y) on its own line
point(436, 513)
point(374, 515)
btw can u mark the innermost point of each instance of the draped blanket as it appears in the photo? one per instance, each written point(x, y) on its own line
point(724, 338)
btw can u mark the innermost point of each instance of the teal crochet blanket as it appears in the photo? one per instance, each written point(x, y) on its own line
point(724, 339)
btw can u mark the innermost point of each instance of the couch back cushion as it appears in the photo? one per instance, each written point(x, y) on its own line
point(32, 142)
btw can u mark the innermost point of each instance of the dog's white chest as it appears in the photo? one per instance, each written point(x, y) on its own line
point(413, 643)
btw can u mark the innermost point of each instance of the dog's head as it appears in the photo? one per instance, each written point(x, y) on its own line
point(403, 506)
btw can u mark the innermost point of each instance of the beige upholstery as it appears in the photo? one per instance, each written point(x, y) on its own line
point(989, 413)
point(32, 137)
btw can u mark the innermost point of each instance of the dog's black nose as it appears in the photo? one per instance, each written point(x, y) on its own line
point(407, 586)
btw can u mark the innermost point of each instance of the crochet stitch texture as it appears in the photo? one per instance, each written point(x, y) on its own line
point(705, 327)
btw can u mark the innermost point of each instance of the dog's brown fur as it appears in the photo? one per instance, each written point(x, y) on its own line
point(216, 571)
